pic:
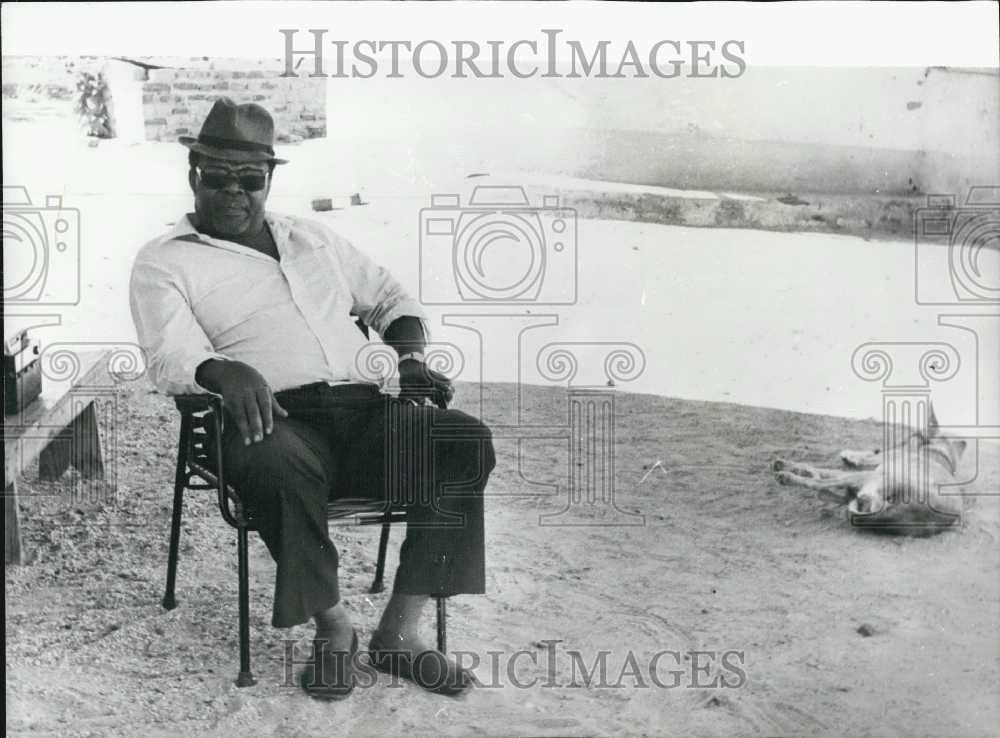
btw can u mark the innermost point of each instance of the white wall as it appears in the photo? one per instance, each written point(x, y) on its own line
point(125, 82)
point(890, 130)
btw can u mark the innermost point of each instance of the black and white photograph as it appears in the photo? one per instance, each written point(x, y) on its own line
point(501, 368)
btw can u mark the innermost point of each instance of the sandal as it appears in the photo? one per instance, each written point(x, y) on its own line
point(430, 669)
point(330, 674)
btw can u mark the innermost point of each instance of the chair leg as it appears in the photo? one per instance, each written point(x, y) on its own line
point(442, 623)
point(245, 678)
point(383, 545)
point(180, 481)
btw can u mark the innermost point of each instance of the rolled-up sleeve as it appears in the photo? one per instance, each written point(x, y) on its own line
point(378, 297)
point(168, 331)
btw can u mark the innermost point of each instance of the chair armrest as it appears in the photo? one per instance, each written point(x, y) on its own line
point(188, 404)
point(201, 444)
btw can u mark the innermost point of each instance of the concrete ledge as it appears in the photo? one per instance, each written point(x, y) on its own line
point(864, 216)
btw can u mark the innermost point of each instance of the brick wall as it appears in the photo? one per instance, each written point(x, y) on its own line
point(176, 101)
point(161, 98)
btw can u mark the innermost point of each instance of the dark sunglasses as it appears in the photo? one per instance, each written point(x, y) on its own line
point(248, 182)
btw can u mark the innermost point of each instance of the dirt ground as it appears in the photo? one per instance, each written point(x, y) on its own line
point(837, 631)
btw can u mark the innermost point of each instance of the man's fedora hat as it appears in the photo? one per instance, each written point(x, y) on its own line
point(235, 132)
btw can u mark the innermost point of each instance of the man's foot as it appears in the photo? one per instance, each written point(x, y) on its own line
point(329, 675)
point(410, 658)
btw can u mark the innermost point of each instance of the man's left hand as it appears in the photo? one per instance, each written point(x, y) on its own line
point(418, 382)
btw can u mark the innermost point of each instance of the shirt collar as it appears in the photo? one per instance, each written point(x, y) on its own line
point(184, 230)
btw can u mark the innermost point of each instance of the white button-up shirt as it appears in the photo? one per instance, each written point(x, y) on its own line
point(195, 298)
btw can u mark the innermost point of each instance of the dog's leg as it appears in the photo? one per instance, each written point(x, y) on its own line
point(838, 491)
point(805, 470)
point(852, 481)
point(839, 496)
point(788, 477)
point(861, 459)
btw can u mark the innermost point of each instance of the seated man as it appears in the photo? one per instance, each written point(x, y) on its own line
point(256, 307)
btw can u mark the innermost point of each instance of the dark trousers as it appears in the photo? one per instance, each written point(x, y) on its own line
point(352, 441)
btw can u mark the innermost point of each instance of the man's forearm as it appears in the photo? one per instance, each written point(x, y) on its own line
point(406, 335)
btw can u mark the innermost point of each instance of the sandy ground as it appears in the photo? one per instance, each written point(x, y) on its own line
point(726, 560)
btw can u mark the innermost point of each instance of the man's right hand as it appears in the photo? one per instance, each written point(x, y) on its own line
point(245, 396)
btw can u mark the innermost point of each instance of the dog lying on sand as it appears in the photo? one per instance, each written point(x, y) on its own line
point(896, 491)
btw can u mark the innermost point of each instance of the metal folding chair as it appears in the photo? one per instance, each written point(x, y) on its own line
point(198, 458)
